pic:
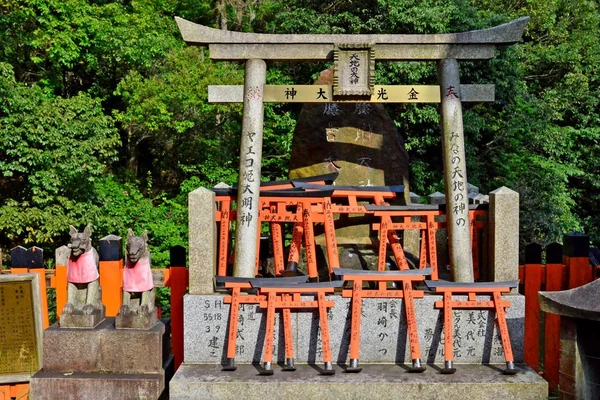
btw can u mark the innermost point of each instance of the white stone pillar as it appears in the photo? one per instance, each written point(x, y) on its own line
point(202, 230)
point(250, 165)
point(455, 172)
point(504, 235)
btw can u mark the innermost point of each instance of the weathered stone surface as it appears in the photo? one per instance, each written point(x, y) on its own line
point(507, 33)
point(249, 172)
point(455, 172)
point(136, 321)
point(503, 222)
point(437, 198)
point(579, 365)
point(581, 302)
point(383, 332)
point(202, 241)
point(82, 321)
point(360, 141)
point(88, 386)
point(104, 349)
point(473, 382)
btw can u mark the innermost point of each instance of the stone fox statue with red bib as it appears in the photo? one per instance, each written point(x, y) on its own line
point(138, 286)
point(84, 294)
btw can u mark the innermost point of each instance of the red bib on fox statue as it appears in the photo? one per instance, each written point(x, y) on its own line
point(137, 276)
point(82, 268)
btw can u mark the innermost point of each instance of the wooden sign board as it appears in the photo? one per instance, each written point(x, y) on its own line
point(325, 94)
point(20, 327)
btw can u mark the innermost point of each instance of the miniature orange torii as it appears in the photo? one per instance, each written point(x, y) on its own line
point(287, 296)
point(497, 303)
point(357, 277)
point(236, 285)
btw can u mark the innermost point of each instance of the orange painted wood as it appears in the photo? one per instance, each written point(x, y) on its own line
point(19, 391)
point(111, 280)
point(297, 234)
point(503, 327)
point(287, 329)
point(355, 323)
point(309, 241)
point(331, 241)
point(448, 349)
point(580, 271)
point(431, 245)
point(324, 327)
point(179, 282)
point(423, 250)
point(224, 214)
point(411, 321)
point(61, 288)
point(554, 282)
point(233, 321)
point(277, 240)
point(270, 327)
point(533, 284)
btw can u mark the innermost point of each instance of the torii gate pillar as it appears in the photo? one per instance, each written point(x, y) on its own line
point(247, 225)
point(455, 172)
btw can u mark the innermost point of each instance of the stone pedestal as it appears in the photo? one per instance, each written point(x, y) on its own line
point(104, 362)
point(136, 321)
point(383, 332)
point(80, 320)
point(381, 382)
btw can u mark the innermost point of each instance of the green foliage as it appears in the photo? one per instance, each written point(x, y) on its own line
point(104, 116)
point(52, 150)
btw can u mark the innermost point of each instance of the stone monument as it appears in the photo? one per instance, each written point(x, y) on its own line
point(205, 314)
point(84, 308)
point(138, 310)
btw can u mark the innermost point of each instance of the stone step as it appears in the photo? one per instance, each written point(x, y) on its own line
point(376, 381)
point(49, 385)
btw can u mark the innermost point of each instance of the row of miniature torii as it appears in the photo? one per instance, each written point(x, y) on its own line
point(313, 200)
point(286, 293)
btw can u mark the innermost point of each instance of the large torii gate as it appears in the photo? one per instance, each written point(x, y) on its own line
point(354, 57)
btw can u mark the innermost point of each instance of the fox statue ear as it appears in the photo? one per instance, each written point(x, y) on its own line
point(145, 236)
point(130, 233)
point(88, 231)
point(72, 230)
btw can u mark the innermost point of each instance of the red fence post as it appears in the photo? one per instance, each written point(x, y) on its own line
point(577, 253)
point(178, 282)
point(554, 282)
point(533, 283)
point(111, 273)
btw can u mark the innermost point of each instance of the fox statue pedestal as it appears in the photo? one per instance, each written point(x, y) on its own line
point(104, 363)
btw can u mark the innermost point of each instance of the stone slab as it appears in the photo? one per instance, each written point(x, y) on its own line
point(136, 321)
point(93, 386)
point(83, 321)
point(383, 332)
point(473, 382)
point(104, 349)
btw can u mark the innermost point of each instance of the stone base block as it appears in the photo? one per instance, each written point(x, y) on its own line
point(105, 349)
point(136, 321)
point(84, 321)
point(376, 381)
point(383, 332)
point(92, 386)
point(57, 386)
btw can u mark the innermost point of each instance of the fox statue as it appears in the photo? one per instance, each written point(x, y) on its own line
point(138, 285)
point(84, 294)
